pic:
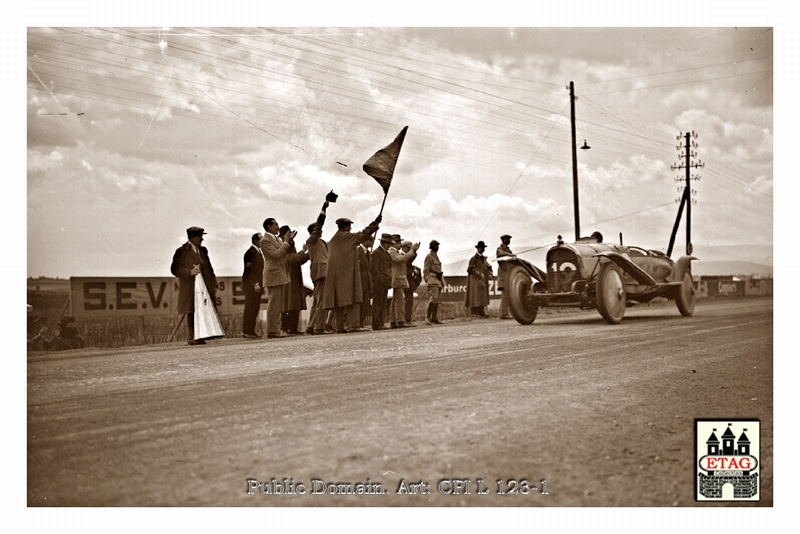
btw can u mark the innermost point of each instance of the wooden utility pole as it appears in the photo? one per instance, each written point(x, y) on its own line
point(686, 197)
point(574, 163)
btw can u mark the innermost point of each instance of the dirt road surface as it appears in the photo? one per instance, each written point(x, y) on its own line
point(604, 414)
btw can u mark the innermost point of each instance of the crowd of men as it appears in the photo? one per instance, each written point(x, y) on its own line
point(351, 277)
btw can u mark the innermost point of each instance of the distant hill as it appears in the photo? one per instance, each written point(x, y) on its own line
point(757, 254)
point(48, 284)
point(742, 260)
point(735, 268)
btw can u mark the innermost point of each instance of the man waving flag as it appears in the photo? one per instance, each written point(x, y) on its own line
point(381, 165)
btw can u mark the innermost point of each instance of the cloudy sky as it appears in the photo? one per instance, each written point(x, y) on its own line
point(135, 133)
point(142, 120)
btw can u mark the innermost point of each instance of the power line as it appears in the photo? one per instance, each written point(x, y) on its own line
point(104, 73)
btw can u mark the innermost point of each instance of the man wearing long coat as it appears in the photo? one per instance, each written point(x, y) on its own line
point(188, 261)
point(343, 283)
point(479, 272)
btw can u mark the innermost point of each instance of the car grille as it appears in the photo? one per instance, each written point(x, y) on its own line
point(562, 270)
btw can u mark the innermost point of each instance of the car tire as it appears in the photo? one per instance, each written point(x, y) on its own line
point(610, 293)
point(518, 286)
point(686, 295)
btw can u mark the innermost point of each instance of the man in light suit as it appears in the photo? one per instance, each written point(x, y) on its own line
point(252, 280)
point(503, 251)
point(276, 276)
point(188, 261)
point(400, 262)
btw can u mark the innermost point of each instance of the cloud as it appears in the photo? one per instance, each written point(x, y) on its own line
point(257, 123)
point(38, 162)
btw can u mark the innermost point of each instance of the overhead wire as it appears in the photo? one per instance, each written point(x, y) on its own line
point(518, 121)
point(175, 47)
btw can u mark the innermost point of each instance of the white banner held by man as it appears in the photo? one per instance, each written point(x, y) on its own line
point(206, 321)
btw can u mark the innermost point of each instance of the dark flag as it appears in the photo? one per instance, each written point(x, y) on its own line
point(381, 165)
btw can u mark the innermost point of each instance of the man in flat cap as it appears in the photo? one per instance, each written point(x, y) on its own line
point(380, 269)
point(188, 261)
point(432, 273)
point(503, 251)
point(343, 284)
point(479, 272)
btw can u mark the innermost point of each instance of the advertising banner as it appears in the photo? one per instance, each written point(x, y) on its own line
point(455, 289)
point(135, 296)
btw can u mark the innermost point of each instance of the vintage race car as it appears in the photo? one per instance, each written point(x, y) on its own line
point(592, 274)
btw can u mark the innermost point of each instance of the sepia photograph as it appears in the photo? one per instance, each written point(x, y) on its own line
point(365, 262)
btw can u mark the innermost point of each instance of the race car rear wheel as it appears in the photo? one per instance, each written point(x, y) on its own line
point(610, 293)
point(685, 297)
point(519, 285)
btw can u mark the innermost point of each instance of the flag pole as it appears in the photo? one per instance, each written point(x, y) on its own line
point(385, 194)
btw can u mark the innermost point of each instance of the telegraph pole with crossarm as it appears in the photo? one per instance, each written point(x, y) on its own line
point(686, 198)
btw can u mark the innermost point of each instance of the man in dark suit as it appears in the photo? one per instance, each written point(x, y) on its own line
point(363, 251)
point(380, 267)
point(188, 261)
point(252, 278)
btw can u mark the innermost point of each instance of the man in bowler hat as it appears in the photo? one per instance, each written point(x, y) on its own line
point(479, 272)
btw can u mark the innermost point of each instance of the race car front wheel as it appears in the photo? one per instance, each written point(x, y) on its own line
point(610, 293)
point(685, 297)
point(521, 305)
